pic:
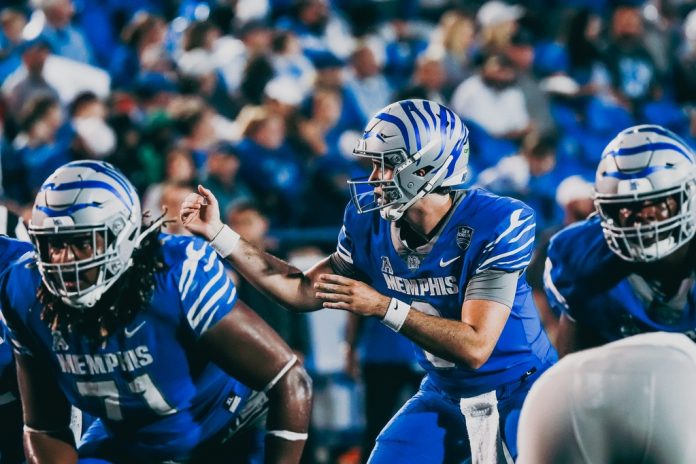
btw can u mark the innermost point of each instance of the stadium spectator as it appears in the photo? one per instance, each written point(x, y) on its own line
point(367, 84)
point(28, 81)
point(65, 39)
point(223, 179)
point(498, 22)
point(520, 52)
point(140, 51)
point(492, 99)
point(634, 76)
point(12, 22)
point(429, 80)
point(454, 41)
point(39, 149)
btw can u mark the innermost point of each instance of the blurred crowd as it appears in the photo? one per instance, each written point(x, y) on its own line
point(262, 101)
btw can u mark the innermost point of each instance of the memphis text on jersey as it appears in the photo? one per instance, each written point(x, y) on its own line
point(426, 286)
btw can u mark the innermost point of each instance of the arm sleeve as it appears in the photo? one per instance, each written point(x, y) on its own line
point(493, 285)
point(207, 293)
point(341, 266)
point(510, 248)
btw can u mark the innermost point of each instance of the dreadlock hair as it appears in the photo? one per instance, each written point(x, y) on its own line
point(119, 305)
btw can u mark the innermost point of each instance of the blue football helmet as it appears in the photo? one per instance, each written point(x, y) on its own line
point(86, 199)
point(410, 137)
point(642, 165)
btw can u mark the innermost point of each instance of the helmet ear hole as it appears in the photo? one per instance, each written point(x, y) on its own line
point(422, 172)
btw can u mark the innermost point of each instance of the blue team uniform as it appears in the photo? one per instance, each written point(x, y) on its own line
point(483, 231)
point(11, 450)
point(155, 392)
point(603, 293)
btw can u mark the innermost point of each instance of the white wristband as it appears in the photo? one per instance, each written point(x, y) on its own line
point(287, 435)
point(397, 312)
point(225, 241)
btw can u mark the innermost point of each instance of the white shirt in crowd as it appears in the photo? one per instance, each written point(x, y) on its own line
point(496, 111)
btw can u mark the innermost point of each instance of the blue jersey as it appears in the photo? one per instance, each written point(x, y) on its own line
point(604, 294)
point(482, 231)
point(10, 250)
point(153, 387)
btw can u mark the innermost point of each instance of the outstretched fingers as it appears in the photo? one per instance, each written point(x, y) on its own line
point(209, 198)
point(190, 207)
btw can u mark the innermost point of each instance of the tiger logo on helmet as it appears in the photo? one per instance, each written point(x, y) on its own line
point(423, 143)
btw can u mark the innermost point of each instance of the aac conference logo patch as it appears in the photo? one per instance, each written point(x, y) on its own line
point(464, 234)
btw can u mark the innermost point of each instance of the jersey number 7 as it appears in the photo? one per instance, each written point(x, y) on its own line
point(142, 385)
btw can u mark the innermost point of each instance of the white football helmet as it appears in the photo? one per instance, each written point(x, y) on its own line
point(408, 136)
point(646, 164)
point(86, 199)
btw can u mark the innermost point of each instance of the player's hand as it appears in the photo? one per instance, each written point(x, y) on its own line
point(340, 292)
point(200, 213)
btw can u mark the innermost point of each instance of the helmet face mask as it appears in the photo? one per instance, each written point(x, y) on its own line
point(90, 212)
point(424, 145)
point(645, 194)
point(646, 242)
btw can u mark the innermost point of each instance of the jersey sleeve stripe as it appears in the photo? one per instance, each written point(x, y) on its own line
point(210, 261)
point(212, 303)
point(523, 232)
point(524, 257)
point(515, 223)
point(216, 278)
point(344, 253)
point(495, 258)
point(551, 287)
point(188, 269)
point(230, 300)
point(209, 320)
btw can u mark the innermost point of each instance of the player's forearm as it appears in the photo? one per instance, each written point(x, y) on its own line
point(449, 339)
point(278, 279)
point(42, 448)
point(290, 403)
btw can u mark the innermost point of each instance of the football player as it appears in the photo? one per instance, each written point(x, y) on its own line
point(443, 267)
point(11, 450)
point(143, 331)
point(630, 268)
point(612, 404)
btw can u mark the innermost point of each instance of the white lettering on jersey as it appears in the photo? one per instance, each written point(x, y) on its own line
point(92, 364)
point(433, 286)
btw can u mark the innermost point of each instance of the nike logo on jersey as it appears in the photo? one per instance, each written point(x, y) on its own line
point(130, 333)
point(444, 263)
